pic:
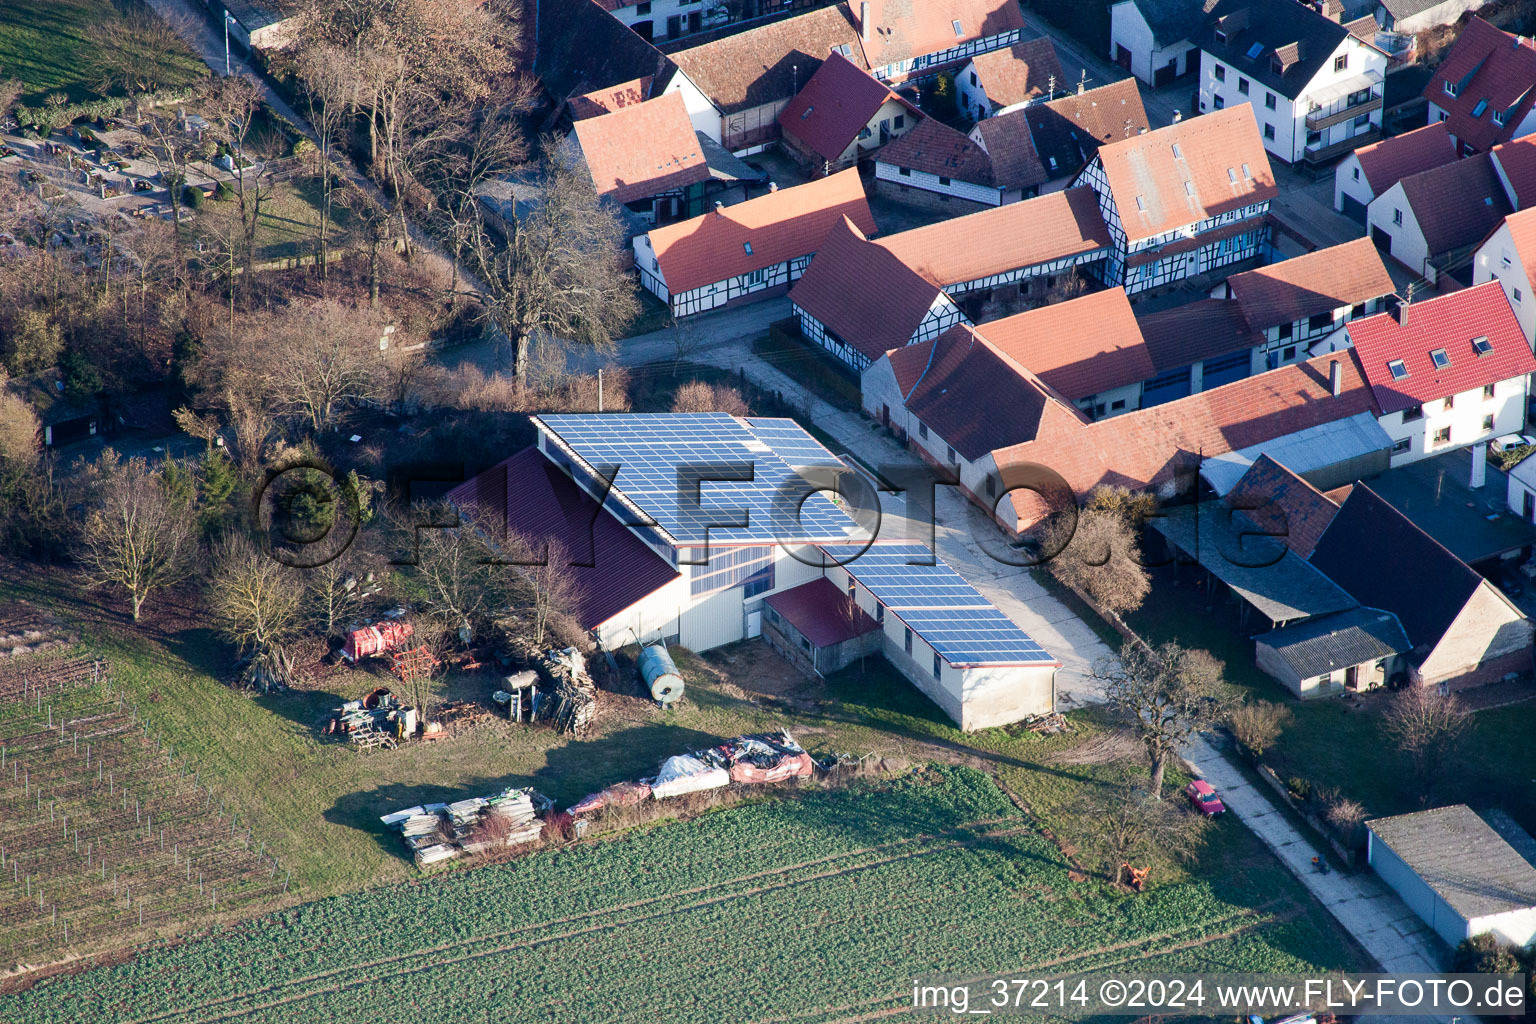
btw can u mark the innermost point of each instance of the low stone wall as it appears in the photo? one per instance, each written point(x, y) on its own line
point(1348, 856)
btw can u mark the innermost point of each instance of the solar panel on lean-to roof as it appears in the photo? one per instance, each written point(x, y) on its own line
point(974, 635)
point(650, 448)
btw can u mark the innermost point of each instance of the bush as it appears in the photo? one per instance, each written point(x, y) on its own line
point(192, 198)
point(698, 396)
point(1485, 954)
point(1344, 816)
point(81, 381)
point(223, 193)
point(1299, 788)
point(1256, 726)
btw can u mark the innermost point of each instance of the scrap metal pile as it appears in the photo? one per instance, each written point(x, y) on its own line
point(378, 720)
point(436, 833)
point(755, 759)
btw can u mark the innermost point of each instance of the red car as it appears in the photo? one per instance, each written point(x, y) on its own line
point(1203, 798)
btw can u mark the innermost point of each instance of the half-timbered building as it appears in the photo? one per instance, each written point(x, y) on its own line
point(1183, 200)
point(749, 251)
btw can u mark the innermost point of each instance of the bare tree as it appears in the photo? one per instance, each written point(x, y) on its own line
point(1426, 724)
point(254, 597)
point(560, 271)
point(1128, 824)
point(319, 358)
point(451, 565)
point(135, 51)
point(546, 587)
point(232, 106)
point(133, 536)
point(171, 149)
point(1169, 692)
point(1103, 560)
point(326, 78)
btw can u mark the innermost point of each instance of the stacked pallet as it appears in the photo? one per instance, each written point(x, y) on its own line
point(435, 833)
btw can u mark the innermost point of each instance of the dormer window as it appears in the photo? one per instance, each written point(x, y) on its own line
point(1451, 89)
point(1498, 118)
point(1221, 35)
point(1482, 346)
point(1276, 66)
point(1441, 358)
point(1398, 369)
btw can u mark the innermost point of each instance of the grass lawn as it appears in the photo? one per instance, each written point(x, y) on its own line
point(735, 915)
point(289, 225)
point(811, 367)
point(47, 45)
point(1339, 742)
point(315, 803)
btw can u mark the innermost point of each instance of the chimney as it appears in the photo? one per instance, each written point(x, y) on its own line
point(1178, 115)
point(1479, 464)
point(773, 186)
point(1335, 378)
point(864, 20)
point(719, 208)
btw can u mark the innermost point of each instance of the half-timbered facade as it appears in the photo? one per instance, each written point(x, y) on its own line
point(1183, 200)
point(749, 251)
point(858, 300)
point(903, 40)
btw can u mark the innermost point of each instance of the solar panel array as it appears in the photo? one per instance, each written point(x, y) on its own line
point(938, 604)
point(650, 448)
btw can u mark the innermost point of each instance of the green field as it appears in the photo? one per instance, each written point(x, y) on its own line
point(47, 45)
point(820, 908)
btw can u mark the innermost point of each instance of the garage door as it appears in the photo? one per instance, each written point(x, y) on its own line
point(1354, 209)
point(1382, 239)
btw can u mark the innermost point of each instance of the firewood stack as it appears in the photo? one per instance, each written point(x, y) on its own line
point(573, 700)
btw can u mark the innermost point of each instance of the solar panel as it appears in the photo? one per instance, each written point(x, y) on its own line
point(650, 448)
point(949, 614)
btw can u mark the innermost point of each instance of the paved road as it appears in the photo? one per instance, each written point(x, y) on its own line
point(1368, 910)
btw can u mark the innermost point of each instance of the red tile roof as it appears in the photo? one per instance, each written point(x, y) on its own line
point(1448, 322)
point(768, 63)
point(1197, 330)
point(1081, 347)
point(835, 106)
point(867, 296)
point(821, 613)
point(1070, 130)
point(1021, 72)
point(1517, 165)
point(1458, 204)
point(1054, 226)
point(606, 101)
point(974, 397)
point(1284, 504)
point(1318, 282)
point(778, 226)
point(1389, 161)
point(936, 148)
point(1161, 445)
point(1205, 180)
point(903, 29)
point(643, 150)
point(1015, 161)
point(1490, 69)
point(543, 505)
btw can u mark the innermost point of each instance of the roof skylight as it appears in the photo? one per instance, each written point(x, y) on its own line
point(1441, 358)
point(1398, 368)
point(1482, 346)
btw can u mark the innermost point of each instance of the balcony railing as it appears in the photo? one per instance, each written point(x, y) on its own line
point(1333, 113)
point(1321, 154)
